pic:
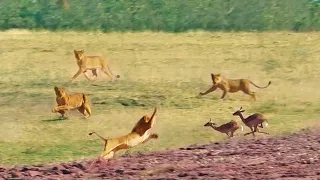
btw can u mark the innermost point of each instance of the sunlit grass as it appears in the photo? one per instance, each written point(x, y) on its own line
point(157, 69)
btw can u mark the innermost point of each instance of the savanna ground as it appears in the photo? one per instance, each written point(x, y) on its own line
point(157, 69)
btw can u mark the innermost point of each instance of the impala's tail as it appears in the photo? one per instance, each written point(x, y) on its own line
point(104, 139)
point(266, 122)
point(241, 127)
point(259, 86)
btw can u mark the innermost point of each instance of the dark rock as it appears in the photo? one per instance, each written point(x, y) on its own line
point(182, 174)
point(65, 171)
point(119, 171)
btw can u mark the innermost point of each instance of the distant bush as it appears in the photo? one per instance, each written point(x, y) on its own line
point(161, 15)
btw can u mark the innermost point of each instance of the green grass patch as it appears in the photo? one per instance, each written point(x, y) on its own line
point(157, 69)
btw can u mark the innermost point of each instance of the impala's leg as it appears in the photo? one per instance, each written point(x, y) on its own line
point(252, 132)
point(261, 131)
point(260, 125)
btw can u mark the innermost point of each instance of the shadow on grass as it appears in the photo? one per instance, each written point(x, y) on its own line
point(55, 119)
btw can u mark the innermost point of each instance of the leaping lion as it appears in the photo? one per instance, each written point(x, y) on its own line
point(141, 133)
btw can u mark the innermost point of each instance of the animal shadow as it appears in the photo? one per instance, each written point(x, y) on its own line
point(55, 119)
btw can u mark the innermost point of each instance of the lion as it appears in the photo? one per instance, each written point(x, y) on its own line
point(231, 85)
point(93, 63)
point(139, 134)
point(67, 101)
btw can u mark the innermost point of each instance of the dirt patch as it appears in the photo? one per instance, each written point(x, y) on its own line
point(293, 157)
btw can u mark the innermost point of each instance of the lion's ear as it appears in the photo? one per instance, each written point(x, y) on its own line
point(82, 51)
point(218, 74)
point(212, 76)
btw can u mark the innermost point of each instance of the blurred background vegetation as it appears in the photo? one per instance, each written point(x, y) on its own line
point(161, 15)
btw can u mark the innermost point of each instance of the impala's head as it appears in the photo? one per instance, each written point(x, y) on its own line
point(210, 123)
point(238, 113)
point(60, 91)
point(216, 78)
point(78, 54)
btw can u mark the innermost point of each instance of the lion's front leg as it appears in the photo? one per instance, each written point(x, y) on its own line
point(62, 108)
point(208, 91)
point(81, 70)
point(62, 113)
point(224, 94)
point(152, 136)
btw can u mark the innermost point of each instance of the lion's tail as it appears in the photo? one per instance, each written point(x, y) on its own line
point(117, 76)
point(86, 104)
point(104, 139)
point(259, 86)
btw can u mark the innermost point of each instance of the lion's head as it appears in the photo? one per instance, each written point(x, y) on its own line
point(60, 91)
point(144, 123)
point(216, 78)
point(78, 54)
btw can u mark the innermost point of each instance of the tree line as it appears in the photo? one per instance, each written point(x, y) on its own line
point(161, 15)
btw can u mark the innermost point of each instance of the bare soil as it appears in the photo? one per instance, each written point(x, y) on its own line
point(296, 156)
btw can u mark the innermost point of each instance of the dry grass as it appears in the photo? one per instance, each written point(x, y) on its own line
point(167, 70)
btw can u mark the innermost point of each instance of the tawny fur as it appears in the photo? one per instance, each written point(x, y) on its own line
point(229, 128)
point(93, 63)
point(253, 121)
point(141, 133)
point(67, 101)
point(231, 85)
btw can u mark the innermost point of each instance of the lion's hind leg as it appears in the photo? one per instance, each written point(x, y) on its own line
point(88, 109)
point(250, 93)
point(91, 78)
point(82, 109)
point(106, 71)
point(253, 95)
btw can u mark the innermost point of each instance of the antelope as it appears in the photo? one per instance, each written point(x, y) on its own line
point(227, 128)
point(252, 121)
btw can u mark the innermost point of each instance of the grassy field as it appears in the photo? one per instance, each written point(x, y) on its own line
point(157, 69)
